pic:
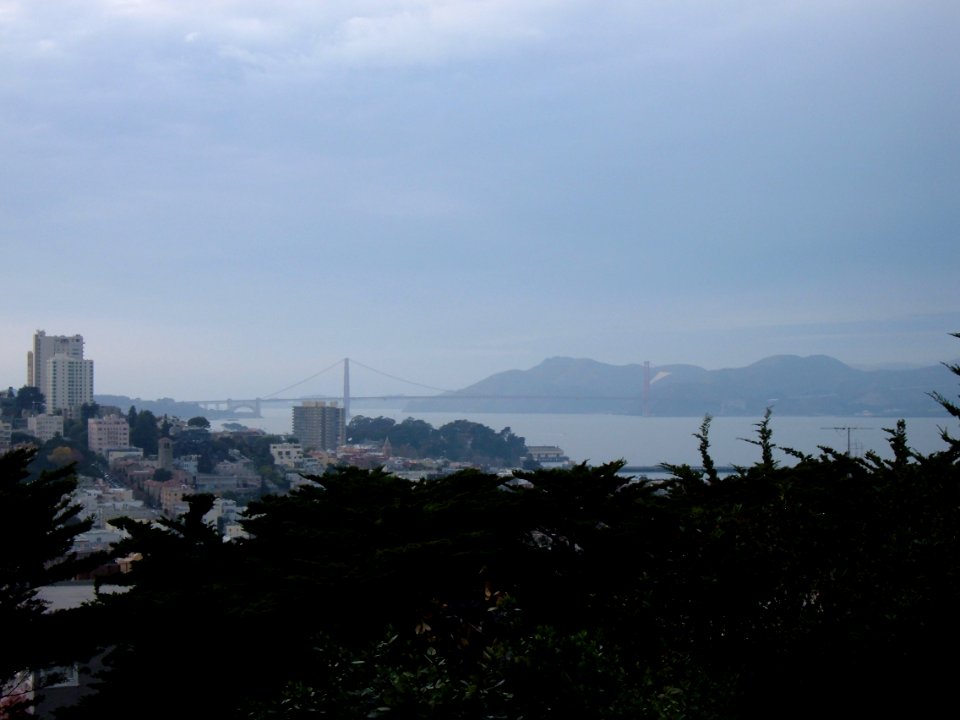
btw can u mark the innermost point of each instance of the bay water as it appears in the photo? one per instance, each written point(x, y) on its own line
point(650, 441)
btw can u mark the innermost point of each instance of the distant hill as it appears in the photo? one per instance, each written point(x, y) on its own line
point(163, 406)
point(790, 384)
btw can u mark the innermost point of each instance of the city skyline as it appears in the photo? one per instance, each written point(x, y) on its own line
point(224, 200)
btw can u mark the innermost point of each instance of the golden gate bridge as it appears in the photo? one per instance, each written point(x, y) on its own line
point(251, 407)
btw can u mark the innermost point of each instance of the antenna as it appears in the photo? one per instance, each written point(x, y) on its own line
point(849, 429)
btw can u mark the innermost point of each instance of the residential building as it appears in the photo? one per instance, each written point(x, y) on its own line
point(69, 383)
point(6, 431)
point(108, 433)
point(318, 425)
point(45, 427)
point(57, 367)
point(288, 455)
point(45, 347)
point(548, 456)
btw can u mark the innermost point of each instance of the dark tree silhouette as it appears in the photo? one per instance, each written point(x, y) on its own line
point(38, 522)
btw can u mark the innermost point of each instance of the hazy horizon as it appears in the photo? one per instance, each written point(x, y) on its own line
point(225, 199)
point(328, 381)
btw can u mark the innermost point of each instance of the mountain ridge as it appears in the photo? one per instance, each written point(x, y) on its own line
point(790, 384)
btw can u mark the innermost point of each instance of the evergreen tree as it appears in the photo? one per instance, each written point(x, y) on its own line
point(950, 406)
point(145, 431)
point(30, 400)
point(38, 522)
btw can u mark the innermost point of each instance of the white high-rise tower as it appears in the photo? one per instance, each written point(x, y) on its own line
point(56, 366)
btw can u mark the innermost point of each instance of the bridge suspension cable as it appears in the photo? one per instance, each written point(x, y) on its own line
point(400, 379)
point(365, 367)
point(305, 380)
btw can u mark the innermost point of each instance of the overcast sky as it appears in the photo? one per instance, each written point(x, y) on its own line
point(225, 197)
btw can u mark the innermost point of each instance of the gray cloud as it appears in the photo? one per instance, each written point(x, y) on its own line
point(468, 186)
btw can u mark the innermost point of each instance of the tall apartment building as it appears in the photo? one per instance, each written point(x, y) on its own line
point(107, 433)
point(56, 366)
point(69, 383)
point(45, 347)
point(318, 425)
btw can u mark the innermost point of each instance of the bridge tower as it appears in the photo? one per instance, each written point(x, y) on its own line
point(345, 416)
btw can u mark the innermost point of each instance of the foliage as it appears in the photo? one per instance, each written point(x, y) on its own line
point(59, 452)
point(457, 441)
point(15, 404)
point(88, 411)
point(199, 421)
point(38, 522)
point(194, 441)
point(950, 406)
point(8, 401)
point(165, 624)
point(144, 430)
point(213, 449)
point(62, 456)
point(162, 475)
point(542, 674)
point(199, 441)
point(30, 400)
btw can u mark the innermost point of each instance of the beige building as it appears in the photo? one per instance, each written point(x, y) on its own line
point(287, 455)
point(45, 427)
point(69, 383)
point(107, 433)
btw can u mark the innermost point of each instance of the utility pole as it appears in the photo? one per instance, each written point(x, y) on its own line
point(849, 429)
